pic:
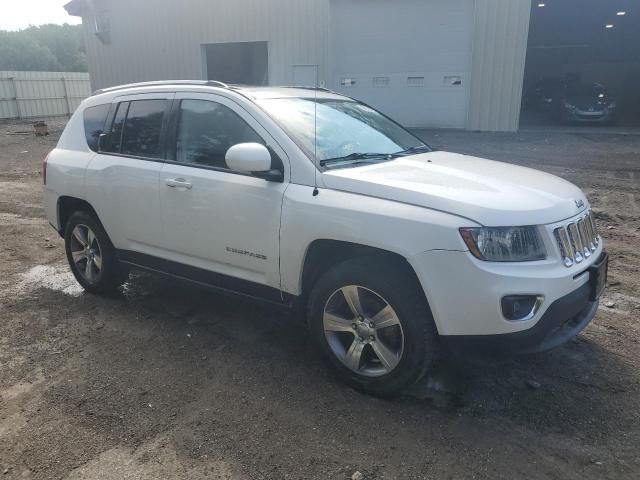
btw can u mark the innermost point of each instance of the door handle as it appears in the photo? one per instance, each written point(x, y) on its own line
point(178, 183)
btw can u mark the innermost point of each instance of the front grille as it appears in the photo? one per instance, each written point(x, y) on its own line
point(577, 240)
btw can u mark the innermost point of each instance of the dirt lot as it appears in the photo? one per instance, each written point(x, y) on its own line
point(168, 381)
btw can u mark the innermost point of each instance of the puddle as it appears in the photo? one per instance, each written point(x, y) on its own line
point(59, 279)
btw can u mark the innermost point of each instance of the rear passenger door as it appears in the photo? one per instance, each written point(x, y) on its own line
point(122, 179)
point(216, 219)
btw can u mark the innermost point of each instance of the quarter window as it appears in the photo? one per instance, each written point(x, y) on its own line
point(206, 130)
point(143, 127)
point(94, 120)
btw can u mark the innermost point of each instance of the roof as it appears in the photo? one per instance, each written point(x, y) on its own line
point(76, 7)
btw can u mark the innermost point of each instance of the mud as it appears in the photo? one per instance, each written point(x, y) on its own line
point(168, 381)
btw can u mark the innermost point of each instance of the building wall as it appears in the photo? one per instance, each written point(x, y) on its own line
point(403, 57)
point(499, 44)
point(164, 42)
point(488, 48)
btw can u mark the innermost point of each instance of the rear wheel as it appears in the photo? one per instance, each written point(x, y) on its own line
point(372, 322)
point(91, 255)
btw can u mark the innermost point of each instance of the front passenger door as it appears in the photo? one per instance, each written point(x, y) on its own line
point(213, 218)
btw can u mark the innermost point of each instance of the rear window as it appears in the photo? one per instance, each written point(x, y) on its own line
point(94, 120)
point(143, 127)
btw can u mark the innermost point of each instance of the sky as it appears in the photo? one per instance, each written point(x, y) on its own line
point(19, 14)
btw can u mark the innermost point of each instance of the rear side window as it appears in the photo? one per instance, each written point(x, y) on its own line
point(94, 120)
point(143, 128)
point(112, 142)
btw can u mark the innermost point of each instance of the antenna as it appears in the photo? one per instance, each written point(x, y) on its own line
point(315, 137)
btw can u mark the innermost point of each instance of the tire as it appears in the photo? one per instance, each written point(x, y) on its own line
point(385, 366)
point(91, 255)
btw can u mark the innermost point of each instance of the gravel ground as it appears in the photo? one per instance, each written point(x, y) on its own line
point(169, 381)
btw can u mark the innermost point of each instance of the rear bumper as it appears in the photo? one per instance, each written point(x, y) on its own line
point(564, 319)
point(51, 208)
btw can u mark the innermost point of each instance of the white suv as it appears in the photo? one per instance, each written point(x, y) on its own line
point(310, 200)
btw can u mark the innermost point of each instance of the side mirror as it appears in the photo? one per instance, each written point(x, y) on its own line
point(252, 158)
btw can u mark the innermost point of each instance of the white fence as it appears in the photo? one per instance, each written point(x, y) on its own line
point(41, 94)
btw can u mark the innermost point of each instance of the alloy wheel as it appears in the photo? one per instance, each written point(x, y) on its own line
point(363, 331)
point(86, 253)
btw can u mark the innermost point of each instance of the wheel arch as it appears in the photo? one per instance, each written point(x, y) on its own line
point(323, 254)
point(67, 206)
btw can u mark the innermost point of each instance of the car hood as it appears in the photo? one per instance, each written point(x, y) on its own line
point(488, 192)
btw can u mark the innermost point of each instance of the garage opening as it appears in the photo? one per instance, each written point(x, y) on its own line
point(583, 65)
point(243, 63)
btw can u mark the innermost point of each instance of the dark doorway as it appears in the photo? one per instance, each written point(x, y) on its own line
point(244, 63)
point(583, 60)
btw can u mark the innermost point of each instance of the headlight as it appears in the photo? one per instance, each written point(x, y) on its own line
point(569, 106)
point(505, 244)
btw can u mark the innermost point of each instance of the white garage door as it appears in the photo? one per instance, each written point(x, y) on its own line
point(411, 58)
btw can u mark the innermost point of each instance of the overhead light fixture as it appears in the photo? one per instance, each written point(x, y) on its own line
point(621, 13)
point(609, 25)
point(540, 5)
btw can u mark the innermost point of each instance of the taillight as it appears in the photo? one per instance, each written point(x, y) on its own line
point(44, 168)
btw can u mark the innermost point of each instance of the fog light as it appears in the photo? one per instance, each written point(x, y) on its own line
point(521, 307)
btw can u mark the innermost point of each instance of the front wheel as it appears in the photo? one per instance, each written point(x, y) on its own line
point(372, 322)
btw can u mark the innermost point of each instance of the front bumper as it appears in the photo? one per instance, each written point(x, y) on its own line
point(465, 295)
point(583, 116)
point(562, 321)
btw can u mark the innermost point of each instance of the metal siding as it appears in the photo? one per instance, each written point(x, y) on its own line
point(165, 42)
point(41, 94)
point(499, 51)
point(429, 40)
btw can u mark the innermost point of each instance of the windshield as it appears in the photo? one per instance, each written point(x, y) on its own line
point(591, 91)
point(345, 128)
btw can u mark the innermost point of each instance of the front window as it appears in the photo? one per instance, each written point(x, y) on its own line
point(342, 130)
point(206, 130)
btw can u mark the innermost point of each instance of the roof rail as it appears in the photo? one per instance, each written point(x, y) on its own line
point(319, 89)
point(201, 83)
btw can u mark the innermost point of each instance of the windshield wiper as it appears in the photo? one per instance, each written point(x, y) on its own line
point(413, 151)
point(354, 157)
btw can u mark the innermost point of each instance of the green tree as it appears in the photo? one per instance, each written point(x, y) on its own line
point(44, 48)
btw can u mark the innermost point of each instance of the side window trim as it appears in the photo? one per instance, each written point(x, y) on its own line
point(171, 139)
point(124, 122)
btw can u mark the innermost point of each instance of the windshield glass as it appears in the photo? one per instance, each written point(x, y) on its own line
point(344, 128)
point(595, 91)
